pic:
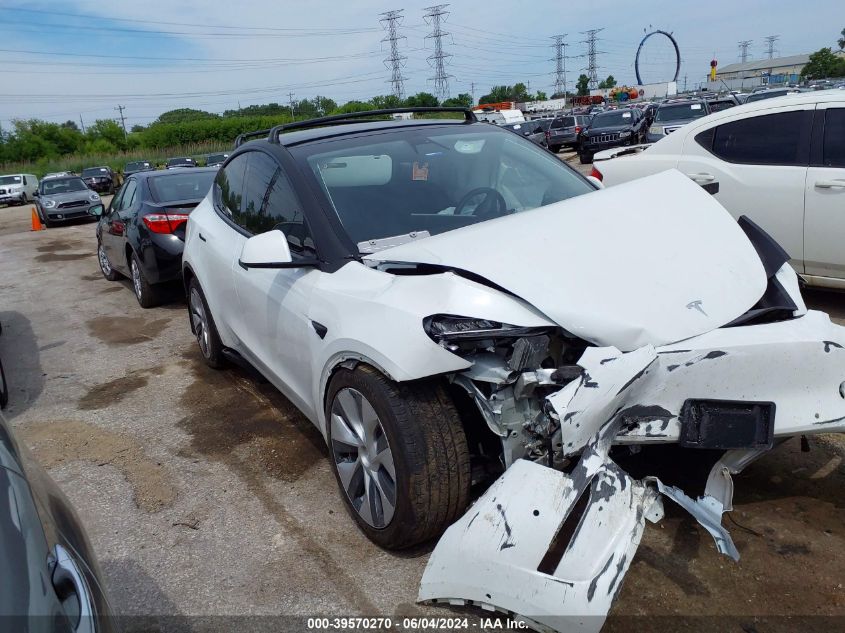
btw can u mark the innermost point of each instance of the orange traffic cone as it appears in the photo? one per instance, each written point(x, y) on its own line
point(36, 221)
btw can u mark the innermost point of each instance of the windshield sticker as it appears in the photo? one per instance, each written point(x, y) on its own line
point(626, 115)
point(695, 106)
point(469, 147)
point(419, 172)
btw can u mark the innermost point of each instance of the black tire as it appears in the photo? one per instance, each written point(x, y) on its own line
point(24, 198)
point(585, 159)
point(211, 348)
point(111, 190)
point(4, 388)
point(554, 148)
point(146, 294)
point(48, 222)
point(105, 267)
point(430, 455)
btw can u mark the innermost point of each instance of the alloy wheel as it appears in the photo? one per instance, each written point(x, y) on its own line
point(199, 320)
point(363, 457)
point(105, 266)
point(136, 279)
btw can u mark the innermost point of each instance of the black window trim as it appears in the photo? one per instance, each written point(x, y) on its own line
point(803, 159)
point(817, 140)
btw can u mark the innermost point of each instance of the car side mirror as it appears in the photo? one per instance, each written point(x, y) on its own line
point(598, 183)
point(97, 210)
point(35, 194)
point(270, 250)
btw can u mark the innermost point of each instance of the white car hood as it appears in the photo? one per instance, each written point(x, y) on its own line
point(653, 261)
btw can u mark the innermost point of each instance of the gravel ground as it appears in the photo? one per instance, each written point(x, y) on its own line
point(207, 493)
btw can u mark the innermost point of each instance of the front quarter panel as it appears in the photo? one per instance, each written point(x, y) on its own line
point(377, 317)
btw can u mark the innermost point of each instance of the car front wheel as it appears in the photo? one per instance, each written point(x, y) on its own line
point(399, 454)
point(105, 265)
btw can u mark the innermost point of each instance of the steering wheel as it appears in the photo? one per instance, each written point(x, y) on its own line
point(493, 205)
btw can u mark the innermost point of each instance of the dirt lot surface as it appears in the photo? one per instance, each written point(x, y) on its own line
point(205, 492)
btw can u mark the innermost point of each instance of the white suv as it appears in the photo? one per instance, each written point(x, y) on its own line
point(779, 161)
point(448, 302)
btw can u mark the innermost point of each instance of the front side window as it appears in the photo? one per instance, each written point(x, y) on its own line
point(433, 179)
point(229, 186)
point(833, 151)
point(269, 203)
point(128, 197)
point(771, 139)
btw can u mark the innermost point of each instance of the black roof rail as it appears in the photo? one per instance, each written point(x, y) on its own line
point(351, 117)
point(240, 138)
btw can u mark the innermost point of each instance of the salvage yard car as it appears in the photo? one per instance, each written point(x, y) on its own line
point(614, 128)
point(17, 188)
point(401, 282)
point(673, 114)
point(101, 179)
point(64, 198)
point(780, 161)
point(141, 235)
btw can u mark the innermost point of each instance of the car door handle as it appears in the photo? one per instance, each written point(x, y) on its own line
point(702, 177)
point(201, 237)
point(829, 184)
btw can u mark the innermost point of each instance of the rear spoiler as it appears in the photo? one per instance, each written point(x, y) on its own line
point(176, 204)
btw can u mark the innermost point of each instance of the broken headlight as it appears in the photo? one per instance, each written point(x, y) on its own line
point(445, 328)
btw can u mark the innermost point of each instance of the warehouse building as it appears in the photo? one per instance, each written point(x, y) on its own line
point(748, 75)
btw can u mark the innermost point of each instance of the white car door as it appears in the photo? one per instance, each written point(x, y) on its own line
point(271, 313)
point(755, 164)
point(824, 223)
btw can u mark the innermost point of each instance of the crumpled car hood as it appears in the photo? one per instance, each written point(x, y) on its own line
point(653, 261)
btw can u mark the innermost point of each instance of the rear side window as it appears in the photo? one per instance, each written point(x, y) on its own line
point(229, 186)
point(771, 139)
point(833, 153)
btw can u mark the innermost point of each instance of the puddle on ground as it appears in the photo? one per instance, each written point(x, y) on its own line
point(125, 330)
point(111, 392)
point(56, 246)
point(230, 410)
point(57, 442)
point(91, 277)
point(62, 257)
point(110, 289)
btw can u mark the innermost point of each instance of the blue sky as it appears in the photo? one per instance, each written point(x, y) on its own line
point(155, 55)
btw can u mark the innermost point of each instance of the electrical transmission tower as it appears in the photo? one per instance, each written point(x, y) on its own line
point(396, 61)
point(560, 63)
point(743, 50)
point(592, 68)
point(770, 45)
point(434, 16)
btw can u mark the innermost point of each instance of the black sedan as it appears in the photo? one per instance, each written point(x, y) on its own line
point(142, 233)
point(101, 179)
point(135, 166)
point(49, 577)
point(613, 128)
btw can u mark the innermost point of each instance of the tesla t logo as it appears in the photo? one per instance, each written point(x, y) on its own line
point(696, 305)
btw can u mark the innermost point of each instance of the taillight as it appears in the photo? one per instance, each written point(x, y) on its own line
point(165, 222)
point(548, 135)
point(595, 173)
point(577, 129)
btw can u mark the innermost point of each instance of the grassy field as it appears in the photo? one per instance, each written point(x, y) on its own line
point(78, 162)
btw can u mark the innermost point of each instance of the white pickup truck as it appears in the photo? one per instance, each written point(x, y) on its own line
point(780, 162)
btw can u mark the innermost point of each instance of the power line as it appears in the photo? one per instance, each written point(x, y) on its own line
point(770, 45)
point(560, 63)
point(435, 14)
point(396, 61)
point(743, 50)
point(592, 67)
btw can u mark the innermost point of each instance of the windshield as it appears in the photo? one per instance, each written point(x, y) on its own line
point(680, 112)
point(614, 117)
point(184, 185)
point(172, 162)
point(10, 180)
point(217, 158)
point(95, 171)
point(434, 179)
point(136, 166)
point(56, 186)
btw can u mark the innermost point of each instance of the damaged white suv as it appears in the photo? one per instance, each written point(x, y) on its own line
point(445, 303)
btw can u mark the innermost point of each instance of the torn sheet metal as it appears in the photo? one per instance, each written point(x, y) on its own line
point(549, 547)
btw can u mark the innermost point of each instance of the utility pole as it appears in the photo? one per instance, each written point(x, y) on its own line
point(770, 45)
point(685, 82)
point(290, 100)
point(119, 108)
point(592, 67)
point(82, 123)
point(396, 61)
point(472, 92)
point(560, 63)
point(743, 50)
point(434, 16)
